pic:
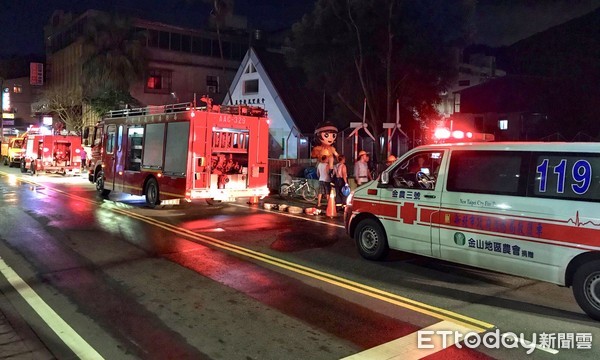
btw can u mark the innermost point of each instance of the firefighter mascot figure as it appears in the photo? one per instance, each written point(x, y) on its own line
point(325, 135)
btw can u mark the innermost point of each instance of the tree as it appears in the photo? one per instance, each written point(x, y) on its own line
point(65, 103)
point(113, 58)
point(380, 51)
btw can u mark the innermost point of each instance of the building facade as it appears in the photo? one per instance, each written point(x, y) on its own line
point(181, 63)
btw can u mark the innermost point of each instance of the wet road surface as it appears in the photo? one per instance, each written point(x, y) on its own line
point(236, 281)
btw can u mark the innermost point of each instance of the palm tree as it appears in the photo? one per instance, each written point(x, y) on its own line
point(114, 57)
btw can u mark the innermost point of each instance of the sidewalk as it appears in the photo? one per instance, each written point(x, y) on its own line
point(17, 339)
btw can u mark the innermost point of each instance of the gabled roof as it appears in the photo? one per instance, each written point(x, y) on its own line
point(288, 87)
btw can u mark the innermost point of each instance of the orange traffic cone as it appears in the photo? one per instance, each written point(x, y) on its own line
point(331, 211)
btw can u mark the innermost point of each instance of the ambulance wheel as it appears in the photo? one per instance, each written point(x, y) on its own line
point(152, 194)
point(100, 184)
point(371, 240)
point(23, 168)
point(586, 288)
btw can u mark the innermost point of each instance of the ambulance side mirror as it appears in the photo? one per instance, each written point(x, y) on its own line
point(385, 178)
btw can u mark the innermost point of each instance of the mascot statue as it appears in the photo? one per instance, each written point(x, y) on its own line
point(325, 135)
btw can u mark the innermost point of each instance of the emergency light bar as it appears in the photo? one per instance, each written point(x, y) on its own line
point(445, 135)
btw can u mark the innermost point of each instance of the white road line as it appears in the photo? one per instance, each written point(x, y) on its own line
point(289, 215)
point(405, 348)
point(76, 343)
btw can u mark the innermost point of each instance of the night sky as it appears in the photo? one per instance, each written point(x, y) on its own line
point(499, 22)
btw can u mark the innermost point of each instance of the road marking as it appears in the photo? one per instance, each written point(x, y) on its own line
point(65, 332)
point(347, 284)
point(406, 347)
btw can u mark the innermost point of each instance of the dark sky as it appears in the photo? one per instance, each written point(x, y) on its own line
point(499, 22)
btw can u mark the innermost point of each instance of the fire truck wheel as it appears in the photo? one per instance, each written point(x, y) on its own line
point(371, 240)
point(152, 194)
point(100, 184)
point(23, 169)
point(212, 201)
point(32, 167)
point(586, 288)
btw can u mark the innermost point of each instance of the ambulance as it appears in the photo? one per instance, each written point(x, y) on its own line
point(526, 209)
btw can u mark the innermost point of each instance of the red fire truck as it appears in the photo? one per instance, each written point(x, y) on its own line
point(174, 152)
point(52, 153)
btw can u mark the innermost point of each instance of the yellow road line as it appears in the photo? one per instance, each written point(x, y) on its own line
point(436, 312)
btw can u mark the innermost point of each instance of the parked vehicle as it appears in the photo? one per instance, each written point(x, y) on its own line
point(527, 209)
point(299, 187)
point(179, 152)
point(12, 151)
point(52, 153)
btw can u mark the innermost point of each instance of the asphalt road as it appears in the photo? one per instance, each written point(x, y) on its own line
point(113, 279)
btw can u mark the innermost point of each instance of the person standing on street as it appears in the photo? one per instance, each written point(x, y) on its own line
point(362, 174)
point(83, 156)
point(341, 180)
point(324, 179)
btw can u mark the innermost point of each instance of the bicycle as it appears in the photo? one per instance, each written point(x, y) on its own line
point(298, 187)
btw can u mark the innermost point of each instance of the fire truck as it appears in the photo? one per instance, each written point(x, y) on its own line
point(52, 153)
point(179, 152)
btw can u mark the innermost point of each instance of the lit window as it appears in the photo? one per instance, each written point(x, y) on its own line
point(158, 81)
point(457, 102)
point(503, 124)
point(17, 89)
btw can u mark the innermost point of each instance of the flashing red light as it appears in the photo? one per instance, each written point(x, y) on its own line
point(457, 134)
point(193, 114)
point(441, 133)
point(469, 135)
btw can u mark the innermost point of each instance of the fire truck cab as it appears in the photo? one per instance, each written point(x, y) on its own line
point(52, 153)
point(179, 152)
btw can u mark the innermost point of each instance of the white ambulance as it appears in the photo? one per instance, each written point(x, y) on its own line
point(527, 209)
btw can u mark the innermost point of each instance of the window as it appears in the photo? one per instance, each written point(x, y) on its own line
point(175, 42)
point(250, 87)
point(135, 146)
point(417, 172)
point(111, 133)
point(158, 81)
point(163, 40)
point(186, 42)
point(153, 38)
point(566, 176)
point(17, 89)
point(457, 102)
point(503, 124)
point(250, 68)
point(487, 172)
point(197, 45)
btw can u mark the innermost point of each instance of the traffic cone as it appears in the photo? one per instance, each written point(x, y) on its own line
point(331, 211)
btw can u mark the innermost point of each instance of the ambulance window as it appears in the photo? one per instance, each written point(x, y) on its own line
point(418, 171)
point(110, 139)
point(491, 172)
point(566, 176)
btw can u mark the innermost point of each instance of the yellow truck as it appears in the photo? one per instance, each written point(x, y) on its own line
point(12, 151)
